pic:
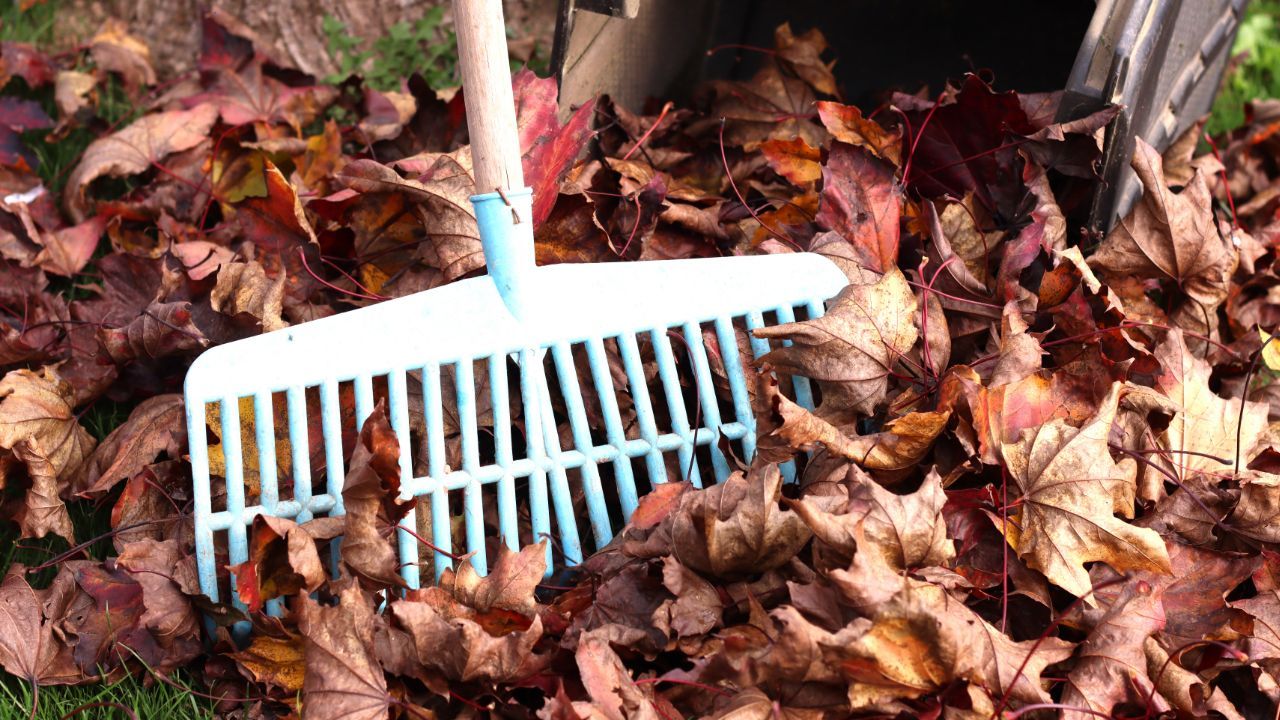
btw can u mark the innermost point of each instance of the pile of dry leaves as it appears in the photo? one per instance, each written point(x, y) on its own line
point(1033, 483)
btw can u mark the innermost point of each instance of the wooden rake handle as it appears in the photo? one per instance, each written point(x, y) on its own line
point(486, 84)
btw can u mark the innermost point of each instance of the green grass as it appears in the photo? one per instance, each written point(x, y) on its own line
point(423, 47)
point(426, 47)
point(1258, 75)
point(104, 701)
point(33, 25)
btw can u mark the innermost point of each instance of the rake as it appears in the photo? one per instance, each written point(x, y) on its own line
point(520, 334)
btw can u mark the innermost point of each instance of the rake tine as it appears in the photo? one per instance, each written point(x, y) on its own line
point(507, 519)
point(603, 380)
point(596, 510)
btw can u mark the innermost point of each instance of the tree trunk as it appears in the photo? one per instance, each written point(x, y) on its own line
point(292, 30)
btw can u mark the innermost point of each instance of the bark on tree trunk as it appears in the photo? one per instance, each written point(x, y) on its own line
point(292, 29)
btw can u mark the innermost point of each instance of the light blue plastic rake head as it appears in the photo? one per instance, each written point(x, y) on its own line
point(526, 330)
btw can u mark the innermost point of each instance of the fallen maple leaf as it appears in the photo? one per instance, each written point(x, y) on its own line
point(548, 149)
point(753, 704)
point(1204, 434)
point(278, 227)
point(1169, 235)
point(275, 661)
point(248, 96)
point(245, 289)
point(462, 649)
point(614, 694)
point(737, 527)
point(161, 330)
point(343, 677)
point(793, 159)
point(157, 425)
point(113, 49)
point(802, 55)
point(696, 608)
point(1111, 666)
point(110, 635)
point(442, 193)
point(908, 531)
point(167, 575)
point(68, 250)
point(370, 496)
point(919, 641)
point(1193, 595)
point(509, 584)
point(852, 349)
point(42, 511)
point(29, 649)
point(137, 148)
point(862, 201)
point(37, 407)
point(282, 562)
point(1070, 491)
point(846, 124)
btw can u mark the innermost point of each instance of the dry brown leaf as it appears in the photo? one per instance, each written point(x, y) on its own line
point(282, 561)
point(846, 124)
point(1070, 490)
point(167, 575)
point(614, 694)
point(145, 141)
point(850, 350)
point(71, 91)
point(1184, 690)
point(803, 53)
point(773, 104)
point(786, 428)
point(862, 201)
point(509, 584)
point(29, 647)
point(1111, 666)
point(1203, 435)
point(343, 680)
point(1169, 235)
point(901, 445)
point(162, 329)
point(907, 531)
point(1193, 594)
point(68, 250)
point(442, 190)
point(921, 640)
point(737, 528)
point(753, 704)
point(274, 661)
point(201, 258)
point(370, 496)
point(244, 288)
point(388, 113)
point(974, 244)
point(157, 425)
point(793, 159)
point(696, 608)
point(42, 511)
point(37, 407)
point(113, 49)
point(463, 650)
point(1257, 513)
